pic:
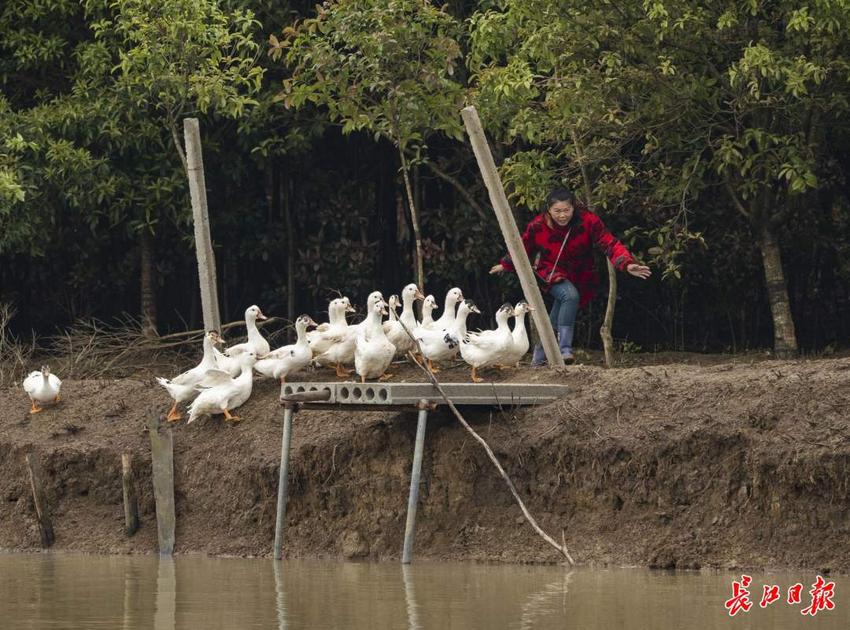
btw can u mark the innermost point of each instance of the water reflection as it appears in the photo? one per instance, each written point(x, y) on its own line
point(410, 598)
point(165, 617)
point(95, 592)
point(280, 595)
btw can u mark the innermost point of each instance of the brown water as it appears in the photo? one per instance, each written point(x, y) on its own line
point(88, 592)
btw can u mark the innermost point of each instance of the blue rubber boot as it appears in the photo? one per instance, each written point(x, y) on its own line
point(565, 341)
point(539, 357)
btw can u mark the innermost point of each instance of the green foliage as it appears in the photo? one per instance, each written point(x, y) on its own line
point(389, 67)
point(182, 56)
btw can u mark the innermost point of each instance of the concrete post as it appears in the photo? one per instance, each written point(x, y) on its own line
point(201, 219)
point(512, 236)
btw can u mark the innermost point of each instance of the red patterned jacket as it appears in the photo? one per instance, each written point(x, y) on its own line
point(543, 238)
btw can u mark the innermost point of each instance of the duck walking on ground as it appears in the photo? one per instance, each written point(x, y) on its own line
point(220, 393)
point(181, 388)
point(42, 387)
point(283, 361)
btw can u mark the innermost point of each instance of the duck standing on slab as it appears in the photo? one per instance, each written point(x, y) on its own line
point(332, 331)
point(220, 393)
point(428, 307)
point(394, 329)
point(519, 336)
point(488, 347)
point(442, 345)
point(256, 342)
point(281, 362)
point(447, 317)
point(181, 388)
point(342, 340)
point(373, 352)
point(42, 387)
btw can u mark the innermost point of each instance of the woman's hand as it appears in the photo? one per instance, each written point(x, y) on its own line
point(496, 269)
point(638, 271)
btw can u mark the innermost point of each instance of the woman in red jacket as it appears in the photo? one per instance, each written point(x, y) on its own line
point(559, 243)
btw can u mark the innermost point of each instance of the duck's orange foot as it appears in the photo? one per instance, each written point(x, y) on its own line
point(231, 418)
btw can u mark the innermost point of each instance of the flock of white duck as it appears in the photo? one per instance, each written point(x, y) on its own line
point(223, 380)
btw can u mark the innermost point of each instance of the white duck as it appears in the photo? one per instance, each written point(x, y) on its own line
point(488, 347)
point(332, 331)
point(342, 352)
point(220, 393)
point(373, 352)
point(428, 307)
point(42, 387)
point(256, 341)
point(394, 330)
point(520, 343)
point(447, 317)
point(181, 388)
point(441, 345)
point(279, 363)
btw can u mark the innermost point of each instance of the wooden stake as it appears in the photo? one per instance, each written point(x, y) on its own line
point(511, 234)
point(131, 502)
point(39, 498)
point(162, 455)
point(200, 215)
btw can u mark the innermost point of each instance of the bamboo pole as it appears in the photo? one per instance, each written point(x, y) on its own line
point(511, 234)
point(39, 498)
point(201, 219)
point(131, 502)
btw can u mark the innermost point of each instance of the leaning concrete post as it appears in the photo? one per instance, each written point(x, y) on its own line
point(512, 236)
point(201, 219)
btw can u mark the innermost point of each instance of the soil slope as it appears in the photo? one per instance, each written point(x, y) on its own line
point(678, 465)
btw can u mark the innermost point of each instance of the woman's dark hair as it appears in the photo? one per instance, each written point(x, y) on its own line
point(561, 194)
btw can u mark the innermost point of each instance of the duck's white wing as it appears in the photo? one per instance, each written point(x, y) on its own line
point(214, 378)
point(30, 383)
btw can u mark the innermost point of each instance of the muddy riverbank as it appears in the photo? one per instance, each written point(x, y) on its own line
point(739, 464)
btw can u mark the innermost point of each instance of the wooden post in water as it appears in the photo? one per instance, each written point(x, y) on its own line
point(162, 456)
point(131, 502)
point(200, 216)
point(39, 498)
point(511, 234)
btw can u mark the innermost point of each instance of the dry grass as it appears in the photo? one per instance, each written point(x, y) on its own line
point(92, 349)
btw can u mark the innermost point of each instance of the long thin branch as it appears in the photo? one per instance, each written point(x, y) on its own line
point(479, 209)
point(562, 548)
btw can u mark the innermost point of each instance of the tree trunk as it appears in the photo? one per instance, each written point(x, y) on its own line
point(605, 331)
point(290, 251)
point(784, 335)
point(414, 218)
point(608, 322)
point(148, 296)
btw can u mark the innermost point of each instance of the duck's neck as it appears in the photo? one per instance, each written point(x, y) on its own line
point(426, 316)
point(301, 334)
point(336, 316)
point(502, 322)
point(448, 315)
point(519, 326)
point(253, 331)
point(373, 323)
point(246, 373)
point(209, 352)
point(45, 378)
point(408, 317)
point(460, 321)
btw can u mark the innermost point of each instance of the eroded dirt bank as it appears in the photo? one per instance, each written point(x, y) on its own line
point(669, 466)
